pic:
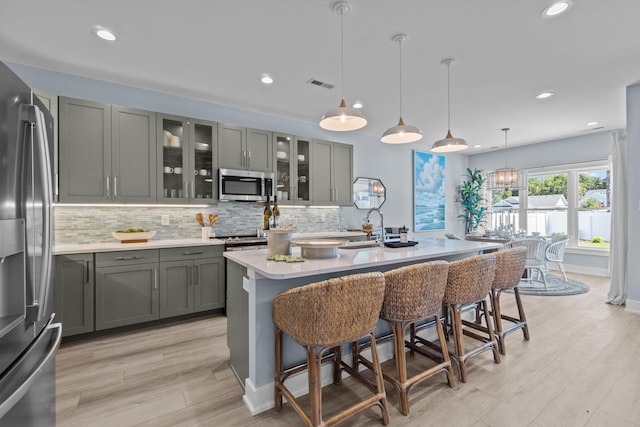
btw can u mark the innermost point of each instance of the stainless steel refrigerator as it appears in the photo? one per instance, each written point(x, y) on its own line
point(28, 338)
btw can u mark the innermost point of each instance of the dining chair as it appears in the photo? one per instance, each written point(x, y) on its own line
point(536, 247)
point(555, 253)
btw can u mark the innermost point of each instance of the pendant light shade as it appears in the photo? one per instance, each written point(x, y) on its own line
point(342, 118)
point(506, 178)
point(401, 134)
point(449, 144)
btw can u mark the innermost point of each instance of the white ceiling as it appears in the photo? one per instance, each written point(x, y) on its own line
point(505, 53)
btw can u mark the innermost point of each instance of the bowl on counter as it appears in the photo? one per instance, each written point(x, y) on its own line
point(135, 237)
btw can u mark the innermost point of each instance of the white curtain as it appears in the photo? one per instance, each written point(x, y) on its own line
point(618, 250)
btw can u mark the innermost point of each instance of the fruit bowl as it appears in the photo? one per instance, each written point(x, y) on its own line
point(130, 236)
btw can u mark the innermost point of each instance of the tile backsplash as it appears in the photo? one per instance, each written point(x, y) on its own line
point(94, 224)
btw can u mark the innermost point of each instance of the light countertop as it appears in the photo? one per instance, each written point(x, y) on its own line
point(83, 248)
point(350, 259)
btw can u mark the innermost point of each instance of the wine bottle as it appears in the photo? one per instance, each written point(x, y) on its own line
point(267, 214)
point(275, 212)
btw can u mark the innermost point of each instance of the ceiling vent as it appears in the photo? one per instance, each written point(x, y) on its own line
point(319, 83)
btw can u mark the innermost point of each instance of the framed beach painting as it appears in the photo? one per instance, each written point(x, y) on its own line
point(428, 191)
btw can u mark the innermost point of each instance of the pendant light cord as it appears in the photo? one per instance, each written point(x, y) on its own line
point(505, 146)
point(342, 53)
point(448, 97)
point(400, 44)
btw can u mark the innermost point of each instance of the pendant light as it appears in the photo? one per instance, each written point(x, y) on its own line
point(401, 134)
point(506, 179)
point(449, 144)
point(342, 118)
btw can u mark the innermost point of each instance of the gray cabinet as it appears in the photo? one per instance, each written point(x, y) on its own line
point(331, 173)
point(106, 153)
point(242, 148)
point(293, 155)
point(191, 280)
point(73, 284)
point(187, 159)
point(126, 288)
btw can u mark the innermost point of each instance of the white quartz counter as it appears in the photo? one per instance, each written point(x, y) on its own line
point(329, 235)
point(83, 248)
point(350, 259)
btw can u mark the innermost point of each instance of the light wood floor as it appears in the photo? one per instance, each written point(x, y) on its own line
point(581, 368)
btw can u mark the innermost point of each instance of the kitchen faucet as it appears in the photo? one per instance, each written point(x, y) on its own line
point(381, 224)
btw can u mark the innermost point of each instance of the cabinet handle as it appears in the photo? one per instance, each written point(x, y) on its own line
point(193, 189)
point(57, 183)
point(108, 191)
point(196, 275)
point(335, 194)
point(127, 258)
point(192, 253)
point(189, 276)
point(243, 162)
point(115, 186)
point(248, 158)
point(88, 279)
point(155, 278)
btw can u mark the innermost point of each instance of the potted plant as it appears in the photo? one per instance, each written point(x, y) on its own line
point(471, 199)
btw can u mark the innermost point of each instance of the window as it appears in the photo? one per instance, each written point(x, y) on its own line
point(573, 200)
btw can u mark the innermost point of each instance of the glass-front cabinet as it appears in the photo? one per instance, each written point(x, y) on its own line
point(187, 161)
point(292, 169)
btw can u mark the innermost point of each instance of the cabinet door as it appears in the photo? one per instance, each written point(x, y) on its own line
point(259, 150)
point(126, 295)
point(284, 166)
point(73, 283)
point(133, 151)
point(203, 154)
point(176, 290)
point(322, 172)
point(174, 172)
point(85, 150)
point(209, 283)
point(302, 171)
point(343, 174)
point(232, 146)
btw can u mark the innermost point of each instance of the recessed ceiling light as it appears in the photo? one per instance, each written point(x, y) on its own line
point(266, 79)
point(556, 8)
point(477, 146)
point(546, 94)
point(104, 33)
point(357, 104)
point(591, 123)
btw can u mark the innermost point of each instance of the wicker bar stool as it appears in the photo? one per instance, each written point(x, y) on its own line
point(320, 317)
point(510, 264)
point(412, 294)
point(469, 283)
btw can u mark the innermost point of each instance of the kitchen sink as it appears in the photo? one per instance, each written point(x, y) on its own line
point(363, 244)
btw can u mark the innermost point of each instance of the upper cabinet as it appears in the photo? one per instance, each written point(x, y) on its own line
point(292, 169)
point(106, 153)
point(331, 173)
point(187, 159)
point(245, 149)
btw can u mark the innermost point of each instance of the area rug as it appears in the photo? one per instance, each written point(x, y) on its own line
point(556, 286)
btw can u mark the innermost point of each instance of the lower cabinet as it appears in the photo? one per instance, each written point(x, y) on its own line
point(126, 288)
point(131, 287)
point(191, 280)
point(73, 286)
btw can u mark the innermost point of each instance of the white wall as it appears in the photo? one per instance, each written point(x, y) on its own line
point(393, 164)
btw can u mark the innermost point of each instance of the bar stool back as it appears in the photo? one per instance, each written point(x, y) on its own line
point(320, 317)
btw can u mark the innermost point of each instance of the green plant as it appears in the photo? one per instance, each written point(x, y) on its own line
point(471, 199)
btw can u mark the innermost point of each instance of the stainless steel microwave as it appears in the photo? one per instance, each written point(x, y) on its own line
point(244, 186)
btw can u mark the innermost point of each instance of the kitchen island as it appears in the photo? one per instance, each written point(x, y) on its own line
point(253, 282)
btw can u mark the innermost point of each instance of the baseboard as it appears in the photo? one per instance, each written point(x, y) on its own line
point(580, 269)
point(633, 306)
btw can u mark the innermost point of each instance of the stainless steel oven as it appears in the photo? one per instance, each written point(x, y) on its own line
point(244, 186)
